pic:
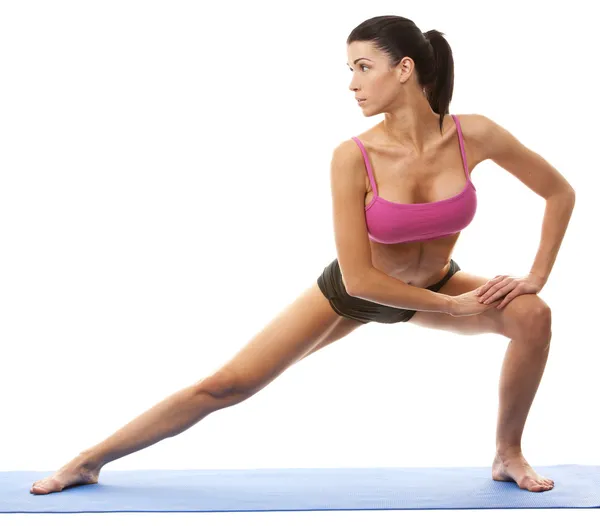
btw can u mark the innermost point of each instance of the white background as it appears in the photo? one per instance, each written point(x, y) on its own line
point(165, 193)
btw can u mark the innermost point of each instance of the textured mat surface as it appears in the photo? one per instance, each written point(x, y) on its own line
point(576, 486)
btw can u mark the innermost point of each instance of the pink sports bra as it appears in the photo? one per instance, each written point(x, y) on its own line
point(389, 222)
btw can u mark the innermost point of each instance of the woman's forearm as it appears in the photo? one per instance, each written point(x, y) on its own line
point(557, 214)
point(381, 288)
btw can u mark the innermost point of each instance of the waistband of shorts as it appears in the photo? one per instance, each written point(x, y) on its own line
point(454, 268)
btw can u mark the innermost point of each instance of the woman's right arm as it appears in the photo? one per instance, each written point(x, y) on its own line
point(377, 286)
point(360, 278)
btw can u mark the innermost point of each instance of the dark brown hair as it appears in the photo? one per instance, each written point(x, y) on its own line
point(399, 37)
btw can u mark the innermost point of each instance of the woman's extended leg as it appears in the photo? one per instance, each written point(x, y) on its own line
point(306, 325)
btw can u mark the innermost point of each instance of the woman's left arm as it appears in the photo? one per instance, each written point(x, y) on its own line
point(539, 175)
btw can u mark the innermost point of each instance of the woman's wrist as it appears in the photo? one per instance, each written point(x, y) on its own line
point(448, 304)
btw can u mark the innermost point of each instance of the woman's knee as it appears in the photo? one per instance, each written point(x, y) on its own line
point(224, 384)
point(529, 317)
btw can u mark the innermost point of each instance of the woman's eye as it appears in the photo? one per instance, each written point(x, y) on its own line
point(361, 66)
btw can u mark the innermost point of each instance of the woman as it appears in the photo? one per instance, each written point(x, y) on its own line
point(401, 195)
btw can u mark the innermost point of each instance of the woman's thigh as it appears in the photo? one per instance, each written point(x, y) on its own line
point(490, 321)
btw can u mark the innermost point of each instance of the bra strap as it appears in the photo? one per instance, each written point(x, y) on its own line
point(462, 146)
point(367, 163)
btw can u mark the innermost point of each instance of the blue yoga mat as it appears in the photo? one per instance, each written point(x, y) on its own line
point(575, 486)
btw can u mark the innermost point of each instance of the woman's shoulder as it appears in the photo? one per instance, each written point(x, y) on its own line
point(351, 148)
point(475, 126)
point(476, 130)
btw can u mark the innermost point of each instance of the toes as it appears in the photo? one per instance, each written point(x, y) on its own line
point(542, 485)
point(39, 486)
point(45, 486)
point(37, 489)
point(533, 484)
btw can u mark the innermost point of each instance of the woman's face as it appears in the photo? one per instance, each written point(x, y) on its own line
point(373, 79)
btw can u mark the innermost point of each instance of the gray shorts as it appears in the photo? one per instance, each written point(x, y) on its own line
point(331, 285)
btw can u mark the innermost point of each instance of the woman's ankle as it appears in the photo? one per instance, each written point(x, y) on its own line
point(89, 460)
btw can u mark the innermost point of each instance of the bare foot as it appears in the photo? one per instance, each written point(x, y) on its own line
point(74, 473)
point(513, 467)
